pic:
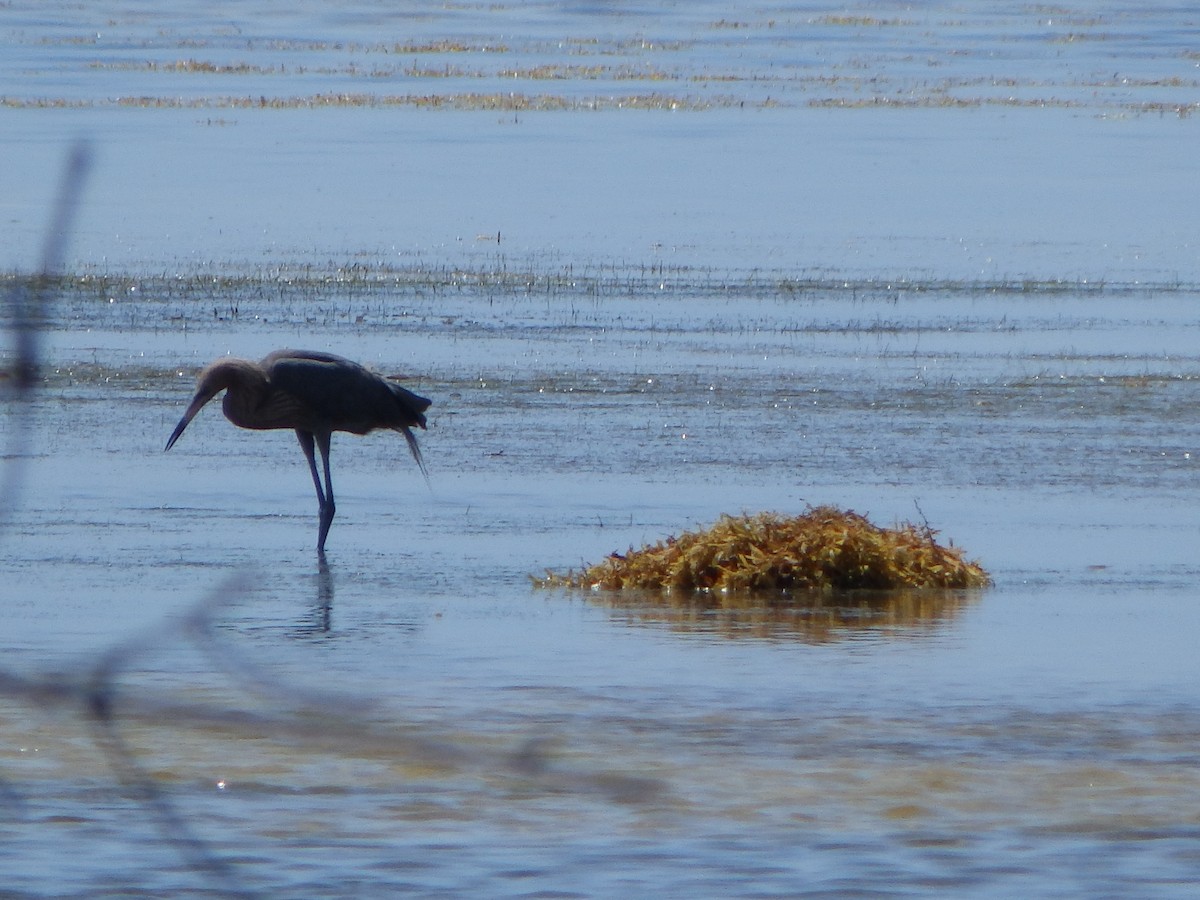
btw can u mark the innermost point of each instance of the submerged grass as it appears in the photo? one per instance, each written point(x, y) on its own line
point(824, 549)
point(504, 273)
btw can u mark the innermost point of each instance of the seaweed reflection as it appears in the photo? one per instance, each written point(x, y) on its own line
point(817, 618)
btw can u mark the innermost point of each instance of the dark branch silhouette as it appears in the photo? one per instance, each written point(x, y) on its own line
point(321, 394)
point(195, 852)
point(29, 301)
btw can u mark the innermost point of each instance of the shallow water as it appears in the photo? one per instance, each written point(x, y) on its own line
point(1008, 355)
point(1035, 736)
point(944, 143)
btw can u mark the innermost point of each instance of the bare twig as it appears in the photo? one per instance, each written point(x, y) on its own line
point(28, 301)
point(194, 850)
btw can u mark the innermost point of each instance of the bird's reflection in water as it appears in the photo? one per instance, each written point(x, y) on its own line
point(324, 605)
point(320, 620)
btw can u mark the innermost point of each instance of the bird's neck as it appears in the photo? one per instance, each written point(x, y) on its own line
point(240, 407)
point(245, 386)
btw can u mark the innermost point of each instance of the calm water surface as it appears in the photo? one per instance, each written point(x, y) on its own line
point(979, 313)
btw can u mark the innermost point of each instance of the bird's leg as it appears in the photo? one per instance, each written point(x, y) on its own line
point(307, 444)
point(328, 509)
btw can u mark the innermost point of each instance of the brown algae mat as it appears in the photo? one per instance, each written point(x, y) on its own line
point(824, 549)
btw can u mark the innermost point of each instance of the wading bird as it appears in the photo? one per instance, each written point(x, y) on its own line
point(314, 393)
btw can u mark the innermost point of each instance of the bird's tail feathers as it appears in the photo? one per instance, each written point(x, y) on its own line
point(413, 404)
point(411, 439)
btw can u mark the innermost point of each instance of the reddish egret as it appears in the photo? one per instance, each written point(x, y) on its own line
point(314, 393)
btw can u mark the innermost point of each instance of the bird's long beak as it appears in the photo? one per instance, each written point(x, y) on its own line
point(183, 423)
point(194, 407)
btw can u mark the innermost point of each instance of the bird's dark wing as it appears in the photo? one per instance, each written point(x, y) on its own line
point(315, 355)
point(340, 395)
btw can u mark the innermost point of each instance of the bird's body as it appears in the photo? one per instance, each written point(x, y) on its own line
point(314, 394)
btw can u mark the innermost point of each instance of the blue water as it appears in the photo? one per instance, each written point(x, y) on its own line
point(791, 272)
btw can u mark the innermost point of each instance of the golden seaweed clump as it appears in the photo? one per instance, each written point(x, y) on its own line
point(824, 549)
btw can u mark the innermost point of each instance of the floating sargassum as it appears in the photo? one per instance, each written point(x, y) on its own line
point(824, 549)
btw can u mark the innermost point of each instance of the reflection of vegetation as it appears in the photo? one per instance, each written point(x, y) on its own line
point(824, 549)
point(815, 617)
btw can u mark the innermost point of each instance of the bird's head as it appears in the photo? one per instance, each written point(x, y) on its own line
point(223, 374)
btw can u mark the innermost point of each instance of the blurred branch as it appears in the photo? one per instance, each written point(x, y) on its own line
point(318, 722)
point(28, 302)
